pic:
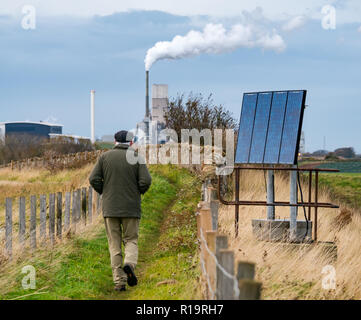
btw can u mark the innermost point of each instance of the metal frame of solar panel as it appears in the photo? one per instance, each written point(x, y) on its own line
point(270, 127)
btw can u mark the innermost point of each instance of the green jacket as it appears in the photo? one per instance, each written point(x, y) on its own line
point(120, 183)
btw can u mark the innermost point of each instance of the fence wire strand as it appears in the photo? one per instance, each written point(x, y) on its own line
point(224, 271)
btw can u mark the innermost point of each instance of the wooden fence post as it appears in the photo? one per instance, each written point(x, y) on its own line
point(33, 222)
point(74, 211)
point(90, 204)
point(78, 204)
point(99, 203)
point(248, 288)
point(9, 226)
point(212, 194)
point(22, 222)
point(225, 284)
point(67, 211)
point(198, 218)
point(221, 243)
point(52, 217)
point(211, 263)
point(206, 219)
point(214, 214)
point(83, 205)
point(43, 217)
point(245, 270)
point(59, 214)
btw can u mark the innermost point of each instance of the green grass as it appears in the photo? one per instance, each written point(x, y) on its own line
point(80, 269)
point(344, 186)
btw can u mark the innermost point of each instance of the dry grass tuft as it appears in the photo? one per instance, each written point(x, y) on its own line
point(289, 273)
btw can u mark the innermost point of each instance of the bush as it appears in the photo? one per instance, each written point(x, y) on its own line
point(197, 112)
point(19, 147)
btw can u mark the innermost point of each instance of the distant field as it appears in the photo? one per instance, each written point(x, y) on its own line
point(345, 186)
point(343, 166)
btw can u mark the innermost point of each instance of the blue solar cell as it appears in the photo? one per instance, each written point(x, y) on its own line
point(291, 127)
point(270, 127)
point(246, 127)
point(260, 128)
point(275, 128)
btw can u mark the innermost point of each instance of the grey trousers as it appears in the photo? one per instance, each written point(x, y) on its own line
point(120, 230)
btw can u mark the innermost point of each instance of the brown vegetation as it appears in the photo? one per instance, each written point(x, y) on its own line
point(290, 273)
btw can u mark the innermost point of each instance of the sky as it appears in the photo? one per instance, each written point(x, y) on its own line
point(47, 72)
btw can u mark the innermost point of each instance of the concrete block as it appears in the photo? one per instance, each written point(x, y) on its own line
point(279, 230)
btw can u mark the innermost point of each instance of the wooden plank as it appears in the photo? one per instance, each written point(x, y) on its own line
point(59, 214)
point(213, 194)
point(198, 218)
point(221, 243)
point(83, 205)
point(245, 270)
point(206, 220)
point(99, 203)
point(33, 222)
point(90, 204)
point(214, 214)
point(249, 290)
point(225, 284)
point(22, 222)
point(74, 211)
point(211, 263)
point(78, 204)
point(9, 226)
point(67, 211)
point(43, 217)
point(52, 218)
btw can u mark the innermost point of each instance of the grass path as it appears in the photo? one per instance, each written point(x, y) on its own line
point(168, 262)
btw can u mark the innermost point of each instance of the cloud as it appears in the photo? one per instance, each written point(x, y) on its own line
point(294, 23)
point(347, 10)
point(214, 39)
point(359, 29)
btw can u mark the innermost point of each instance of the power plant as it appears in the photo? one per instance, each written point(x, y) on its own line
point(149, 130)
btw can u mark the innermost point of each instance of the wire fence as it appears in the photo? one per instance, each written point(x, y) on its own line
point(218, 263)
point(70, 160)
point(47, 218)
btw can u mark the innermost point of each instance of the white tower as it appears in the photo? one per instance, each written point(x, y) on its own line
point(92, 115)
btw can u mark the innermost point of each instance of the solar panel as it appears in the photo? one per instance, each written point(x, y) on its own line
point(270, 127)
point(246, 122)
point(260, 128)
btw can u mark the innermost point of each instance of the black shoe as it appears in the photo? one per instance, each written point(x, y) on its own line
point(132, 279)
point(120, 288)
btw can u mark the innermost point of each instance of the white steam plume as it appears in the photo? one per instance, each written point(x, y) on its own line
point(214, 39)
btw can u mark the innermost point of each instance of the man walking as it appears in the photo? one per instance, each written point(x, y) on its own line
point(121, 185)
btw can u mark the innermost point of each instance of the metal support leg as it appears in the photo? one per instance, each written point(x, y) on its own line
point(270, 194)
point(316, 201)
point(293, 210)
point(237, 206)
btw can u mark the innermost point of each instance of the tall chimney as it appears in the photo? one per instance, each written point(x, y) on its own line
point(147, 94)
point(147, 112)
point(92, 115)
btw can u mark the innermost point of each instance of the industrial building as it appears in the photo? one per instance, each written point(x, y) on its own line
point(41, 130)
point(148, 131)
